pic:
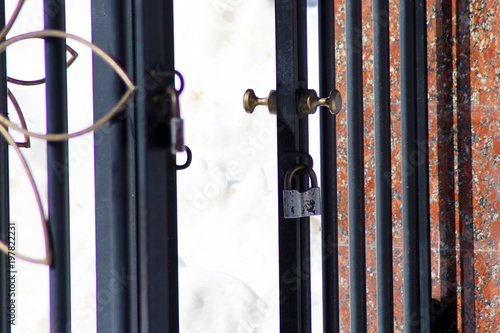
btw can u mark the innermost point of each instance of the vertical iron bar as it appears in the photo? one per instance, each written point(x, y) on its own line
point(328, 146)
point(383, 192)
point(355, 160)
point(303, 139)
point(57, 165)
point(423, 164)
point(4, 194)
point(156, 171)
point(171, 189)
point(305, 271)
point(291, 76)
point(411, 272)
point(114, 175)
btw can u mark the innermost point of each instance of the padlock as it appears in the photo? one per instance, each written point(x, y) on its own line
point(301, 204)
point(176, 123)
point(177, 132)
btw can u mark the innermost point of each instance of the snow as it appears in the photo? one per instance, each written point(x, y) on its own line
point(228, 229)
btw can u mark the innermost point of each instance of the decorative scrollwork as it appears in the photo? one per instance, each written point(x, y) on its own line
point(7, 125)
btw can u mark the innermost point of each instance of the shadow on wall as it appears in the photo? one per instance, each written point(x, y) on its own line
point(447, 306)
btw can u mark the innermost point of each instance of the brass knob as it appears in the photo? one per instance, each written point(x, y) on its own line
point(309, 102)
point(250, 101)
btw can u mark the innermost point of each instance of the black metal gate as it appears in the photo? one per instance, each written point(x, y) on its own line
point(294, 240)
point(292, 92)
point(135, 165)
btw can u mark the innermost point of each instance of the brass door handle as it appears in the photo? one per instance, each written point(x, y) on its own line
point(309, 102)
point(250, 101)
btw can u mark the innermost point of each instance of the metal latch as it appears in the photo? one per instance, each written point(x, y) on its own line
point(176, 123)
point(308, 103)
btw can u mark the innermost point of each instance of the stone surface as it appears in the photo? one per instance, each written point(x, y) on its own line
point(464, 152)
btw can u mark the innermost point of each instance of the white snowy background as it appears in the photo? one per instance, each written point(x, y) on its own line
point(228, 229)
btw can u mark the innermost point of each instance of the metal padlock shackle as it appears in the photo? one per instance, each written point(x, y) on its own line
point(174, 97)
point(291, 172)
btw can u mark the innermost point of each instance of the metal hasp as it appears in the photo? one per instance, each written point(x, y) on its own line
point(168, 98)
point(292, 129)
point(177, 135)
point(176, 123)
